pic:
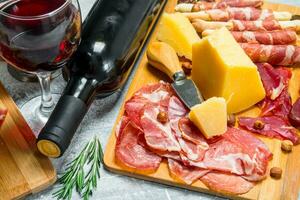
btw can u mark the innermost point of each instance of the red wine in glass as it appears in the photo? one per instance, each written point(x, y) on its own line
point(39, 43)
point(39, 37)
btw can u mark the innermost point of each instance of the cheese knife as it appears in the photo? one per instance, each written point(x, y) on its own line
point(164, 58)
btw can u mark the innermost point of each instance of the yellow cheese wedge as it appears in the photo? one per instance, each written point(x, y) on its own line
point(210, 116)
point(221, 68)
point(176, 30)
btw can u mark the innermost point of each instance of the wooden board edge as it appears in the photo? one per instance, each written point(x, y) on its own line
point(24, 128)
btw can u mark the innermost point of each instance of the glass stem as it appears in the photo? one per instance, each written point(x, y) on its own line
point(47, 104)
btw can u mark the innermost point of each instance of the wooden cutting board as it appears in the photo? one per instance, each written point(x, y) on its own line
point(23, 170)
point(287, 188)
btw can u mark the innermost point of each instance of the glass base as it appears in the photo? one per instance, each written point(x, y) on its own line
point(32, 114)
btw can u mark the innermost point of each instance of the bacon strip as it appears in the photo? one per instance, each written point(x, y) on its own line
point(248, 13)
point(273, 54)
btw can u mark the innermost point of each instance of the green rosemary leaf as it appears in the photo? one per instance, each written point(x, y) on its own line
point(74, 176)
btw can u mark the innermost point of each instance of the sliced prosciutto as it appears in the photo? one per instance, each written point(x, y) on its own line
point(226, 183)
point(154, 94)
point(158, 136)
point(184, 173)
point(272, 126)
point(131, 153)
point(143, 141)
point(275, 80)
point(192, 146)
point(236, 152)
point(273, 54)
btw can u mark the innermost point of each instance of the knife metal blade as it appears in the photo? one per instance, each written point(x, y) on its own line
point(186, 90)
point(295, 17)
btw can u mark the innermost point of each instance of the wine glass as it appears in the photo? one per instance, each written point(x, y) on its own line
point(39, 37)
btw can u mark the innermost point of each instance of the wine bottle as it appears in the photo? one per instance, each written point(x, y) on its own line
point(113, 36)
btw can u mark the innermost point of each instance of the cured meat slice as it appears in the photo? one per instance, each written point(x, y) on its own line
point(271, 37)
point(193, 147)
point(280, 107)
point(294, 115)
point(275, 80)
point(191, 150)
point(241, 25)
point(203, 5)
point(229, 13)
point(158, 136)
point(272, 77)
point(131, 153)
point(279, 37)
point(122, 124)
point(236, 152)
point(273, 54)
point(226, 183)
point(3, 112)
point(266, 25)
point(184, 173)
point(271, 126)
point(244, 3)
point(190, 132)
point(155, 94)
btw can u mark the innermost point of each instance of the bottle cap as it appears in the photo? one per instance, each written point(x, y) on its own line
point(48, 148)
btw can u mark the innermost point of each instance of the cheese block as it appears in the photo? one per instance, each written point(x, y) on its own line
point(210, 117)
point(176, 30)
point(221, 68)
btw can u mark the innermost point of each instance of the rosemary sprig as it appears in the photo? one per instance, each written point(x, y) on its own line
point(74, 176)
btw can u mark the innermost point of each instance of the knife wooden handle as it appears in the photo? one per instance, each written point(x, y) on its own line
point(164, 58)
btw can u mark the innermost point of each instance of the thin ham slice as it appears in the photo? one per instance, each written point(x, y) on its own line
point(131, 153)
point(158, 136)
point(226, 183)
point(192, 147)
point(142, 142)
point(273, 126)
point(190, 132)
point(236, 152)
point(184, 173)
point(155, 94)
